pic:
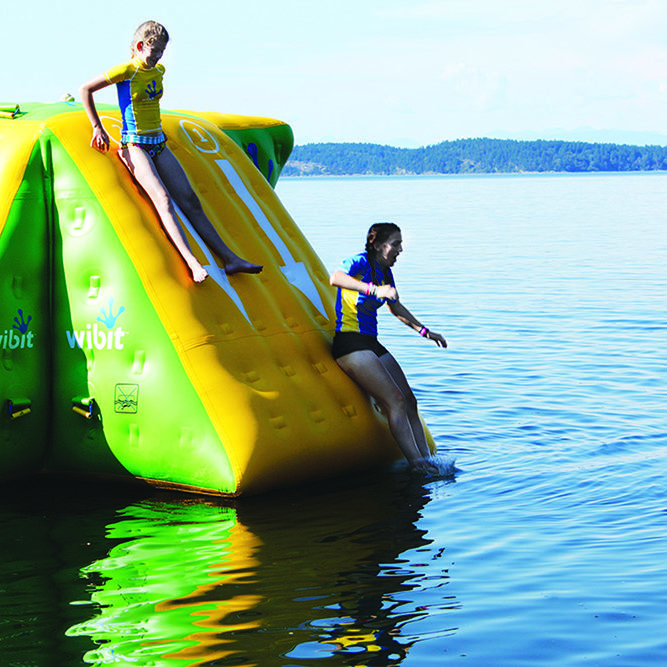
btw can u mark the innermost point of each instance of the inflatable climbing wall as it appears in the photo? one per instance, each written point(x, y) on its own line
point(114, 363)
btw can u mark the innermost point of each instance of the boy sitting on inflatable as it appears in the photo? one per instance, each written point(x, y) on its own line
point(144, 148)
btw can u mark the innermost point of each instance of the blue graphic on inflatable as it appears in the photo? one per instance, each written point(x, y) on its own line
point(109, 319)
point(21, 324)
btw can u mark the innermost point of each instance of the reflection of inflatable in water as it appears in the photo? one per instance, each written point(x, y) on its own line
point(324, 577)
point(112, 362)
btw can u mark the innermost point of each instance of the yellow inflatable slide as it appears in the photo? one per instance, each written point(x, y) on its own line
point(115, 363)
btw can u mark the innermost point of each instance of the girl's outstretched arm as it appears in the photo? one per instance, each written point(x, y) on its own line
point(100, 139)
point(403, 314)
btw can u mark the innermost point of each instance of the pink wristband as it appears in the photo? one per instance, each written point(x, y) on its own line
point(423, 331)
point(370, 289)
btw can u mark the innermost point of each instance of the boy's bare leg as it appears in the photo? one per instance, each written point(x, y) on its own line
point(178, 185)
point(142, 168)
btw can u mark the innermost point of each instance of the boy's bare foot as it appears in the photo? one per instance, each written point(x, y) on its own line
point(241, 266)
point(199, 273)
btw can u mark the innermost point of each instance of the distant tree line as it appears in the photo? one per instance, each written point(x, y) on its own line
point(466, 156)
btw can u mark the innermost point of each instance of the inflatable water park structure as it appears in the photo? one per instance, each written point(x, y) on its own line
point(114, 363)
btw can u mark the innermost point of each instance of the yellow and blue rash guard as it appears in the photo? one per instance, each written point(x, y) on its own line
point(139, 91)
point(357, 312)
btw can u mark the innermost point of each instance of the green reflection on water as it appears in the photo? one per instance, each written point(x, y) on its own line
point(154, 597)
point(291, 580)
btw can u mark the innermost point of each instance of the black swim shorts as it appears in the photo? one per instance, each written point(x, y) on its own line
point(349, 341)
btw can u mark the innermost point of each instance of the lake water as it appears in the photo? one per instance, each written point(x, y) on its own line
point(547, 546)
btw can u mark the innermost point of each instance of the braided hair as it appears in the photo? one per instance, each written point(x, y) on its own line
point(378, 233)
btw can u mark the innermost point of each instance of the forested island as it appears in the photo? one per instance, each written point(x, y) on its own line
point(470, 156)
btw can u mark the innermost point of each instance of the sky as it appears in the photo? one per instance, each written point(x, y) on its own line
point(397, 72)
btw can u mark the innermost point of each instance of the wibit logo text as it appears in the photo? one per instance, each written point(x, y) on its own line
point(106, 337)
point(18, 336)
point(96, 337)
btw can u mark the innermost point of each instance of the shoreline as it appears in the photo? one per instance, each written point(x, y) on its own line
point(478, 174)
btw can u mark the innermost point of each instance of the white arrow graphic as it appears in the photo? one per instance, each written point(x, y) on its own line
point(214, 271)
point(295, 272)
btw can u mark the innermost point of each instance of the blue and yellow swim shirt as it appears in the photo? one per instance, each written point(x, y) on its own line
point(357, 312)
point(139, 91)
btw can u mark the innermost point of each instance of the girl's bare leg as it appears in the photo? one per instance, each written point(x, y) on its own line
point(369, 372)
point(179, 187)
point(142, 168)
point(399, 378)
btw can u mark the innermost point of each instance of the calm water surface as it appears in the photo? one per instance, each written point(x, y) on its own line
point(548, 545)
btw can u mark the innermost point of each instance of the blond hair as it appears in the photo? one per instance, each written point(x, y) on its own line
point(150, 32)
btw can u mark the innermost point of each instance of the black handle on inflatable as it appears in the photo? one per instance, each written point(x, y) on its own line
point(83, 405)
point(18, 407)
point(10, 111)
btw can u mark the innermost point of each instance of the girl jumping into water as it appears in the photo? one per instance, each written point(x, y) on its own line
point(365, 282)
